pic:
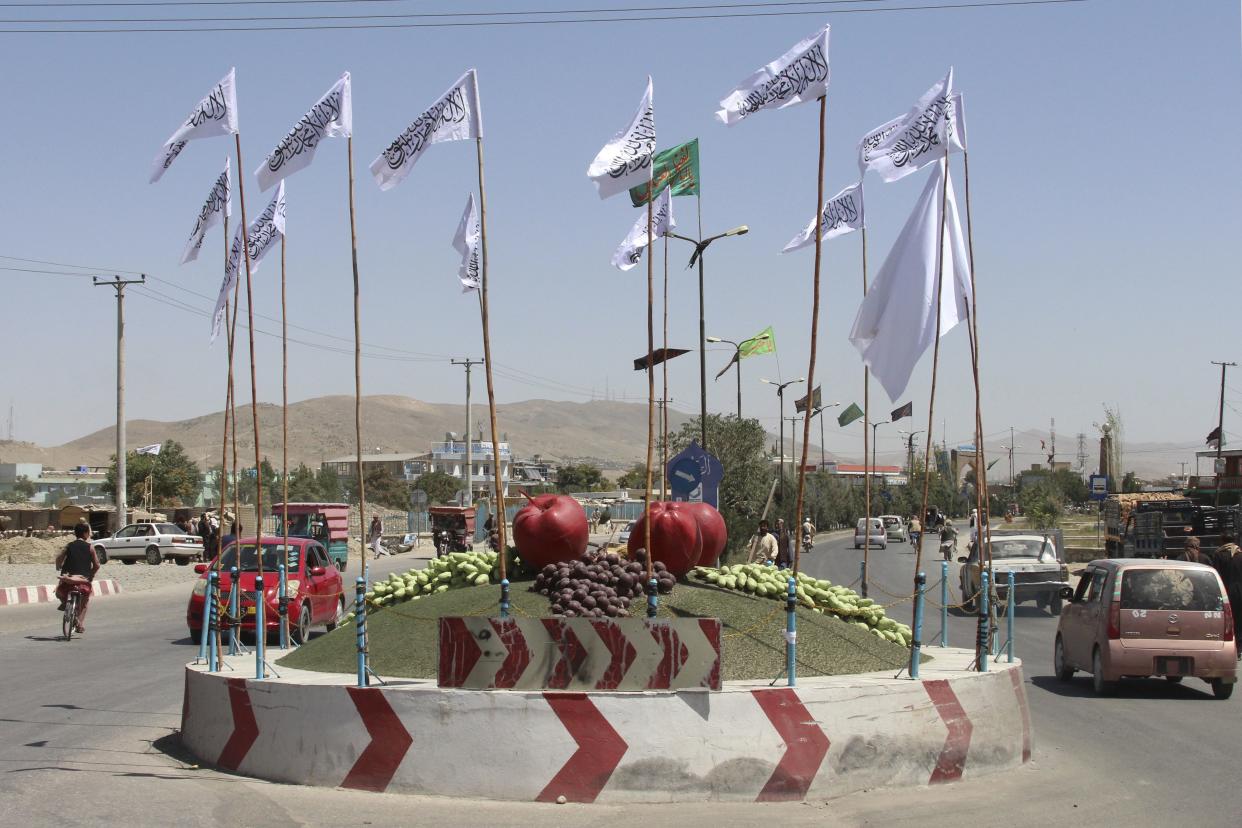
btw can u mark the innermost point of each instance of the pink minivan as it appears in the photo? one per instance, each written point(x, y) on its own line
point(1142, 617)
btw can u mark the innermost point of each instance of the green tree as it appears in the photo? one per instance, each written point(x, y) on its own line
point(635, 477)
point(582, 477)
point(1130, 483)
point(382, 489)
point(22, 491)
point(246, 488)
point(1043, 504)
point(440, 487)
point(303, 485)
point(329, 485)
point(748, 474)
point(175, 478)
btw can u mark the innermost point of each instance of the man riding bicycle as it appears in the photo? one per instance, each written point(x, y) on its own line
point(77, 559)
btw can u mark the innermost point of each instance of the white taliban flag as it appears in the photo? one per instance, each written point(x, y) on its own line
point(263, 233)
point(216, 114)
point(896, 322)
point(798, 76)
point(625, 161)
point(153, 449)
point(219, 203)
point(843, 213)
point(919, 137)
point(631, 250)
point(332, 116)
point(466, 242)
point(455, 116)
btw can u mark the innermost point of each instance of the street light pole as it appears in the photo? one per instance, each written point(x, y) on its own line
point(780, 393)
point(737, 359)
point(119, 285)
point(819, 413)
point(699, 247)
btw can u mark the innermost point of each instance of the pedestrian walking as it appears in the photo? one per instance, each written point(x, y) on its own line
point(1190, 552)
point(375, 535)
point(784, 545)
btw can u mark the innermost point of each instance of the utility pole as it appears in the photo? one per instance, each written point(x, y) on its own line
point(1220, 426)
point(1082, 455)
point(467, 364)
point(119, 284)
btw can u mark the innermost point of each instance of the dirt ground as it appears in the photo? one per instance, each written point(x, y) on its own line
point(22, 550)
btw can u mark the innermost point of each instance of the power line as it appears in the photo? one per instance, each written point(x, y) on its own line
point(499, 23)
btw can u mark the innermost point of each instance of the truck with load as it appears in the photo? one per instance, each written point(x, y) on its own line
point(1161, 533)
point(1118, 508)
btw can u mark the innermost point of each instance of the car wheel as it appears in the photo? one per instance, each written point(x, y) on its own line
point(1063, 671)
point(340, 565)
point(336, 618)
point(968, 601)
point(1054, 606)
point(301, 630)
point(102, 554)
point(153, 555)
point(1098, 684)
point(1220, 689)
point(196, 636)
point(1173, 679)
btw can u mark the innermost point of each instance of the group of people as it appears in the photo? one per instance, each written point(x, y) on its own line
point(1227, 561)
point(775, 546)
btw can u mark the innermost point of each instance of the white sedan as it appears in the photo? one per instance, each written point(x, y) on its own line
point(152, 542)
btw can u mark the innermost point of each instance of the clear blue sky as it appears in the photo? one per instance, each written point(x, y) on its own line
point(1105, 200)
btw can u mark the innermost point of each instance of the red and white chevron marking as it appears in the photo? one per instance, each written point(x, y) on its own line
point(579, 654)
point(748, 742)
point(43, 593)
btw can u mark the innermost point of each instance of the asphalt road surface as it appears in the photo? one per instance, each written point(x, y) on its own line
point(88, 736)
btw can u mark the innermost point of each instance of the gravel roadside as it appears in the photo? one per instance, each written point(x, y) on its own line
point(134, 578)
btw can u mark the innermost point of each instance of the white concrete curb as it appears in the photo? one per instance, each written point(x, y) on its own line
point(11, 596)
point(825, 738)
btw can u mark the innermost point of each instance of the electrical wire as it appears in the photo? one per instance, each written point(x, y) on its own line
point(504, 23)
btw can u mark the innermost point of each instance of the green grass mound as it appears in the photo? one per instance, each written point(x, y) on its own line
point(403, 638)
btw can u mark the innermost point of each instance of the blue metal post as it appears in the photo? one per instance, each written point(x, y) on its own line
point(653, 601)
point(504, 598)
point(360, 622)
point(917, 644)
point(1009, 617)
point(260, 626)
point(944, 603)
point(205, 623)
point(862, 576)
point(283, 607)
point(791, 632)
point(985, 622)
point(234, 610)
point(213, 623)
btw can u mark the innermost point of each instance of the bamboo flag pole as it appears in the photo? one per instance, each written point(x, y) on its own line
point(228, 403)
point(866, 435)
point(931, 397)
point(485, 310)
point(353, 249)
point(233, 408)
point(810, 371)
point(650, 392)
point(254, 395)
point(284, 411)
point(664, 398)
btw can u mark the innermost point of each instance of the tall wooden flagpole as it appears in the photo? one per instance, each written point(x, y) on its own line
point(233, 412)
point(228, 397)
point(650, 384)
point(810, 371)
point(867, 470)
point(284, 423)
point(353, 250)
point(254, 395)
point(485, 310)
point(664, 398)
point(931, 397)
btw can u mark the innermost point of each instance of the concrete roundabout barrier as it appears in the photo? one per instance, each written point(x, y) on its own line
point(751, 741)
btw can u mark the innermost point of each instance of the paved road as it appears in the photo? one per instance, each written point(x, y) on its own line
point(97, 717)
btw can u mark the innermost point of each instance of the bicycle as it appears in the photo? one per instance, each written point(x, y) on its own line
point(73, 604)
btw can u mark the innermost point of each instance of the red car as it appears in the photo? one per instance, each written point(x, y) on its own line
point(316, 590)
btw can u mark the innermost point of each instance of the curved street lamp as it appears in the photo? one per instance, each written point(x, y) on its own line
point(780, 392)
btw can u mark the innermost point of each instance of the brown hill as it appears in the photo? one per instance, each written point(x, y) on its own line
point(612, 434)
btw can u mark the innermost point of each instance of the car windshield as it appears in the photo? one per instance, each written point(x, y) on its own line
point(1188, 590)
point(891, 521)
point(273, 556)
point(1009, 548)
point(168, 529)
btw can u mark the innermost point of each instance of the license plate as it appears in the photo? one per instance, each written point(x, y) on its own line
point(249, 611)
point(1167, 666)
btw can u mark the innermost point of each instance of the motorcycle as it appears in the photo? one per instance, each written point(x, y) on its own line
point(948, 548)
point(807, 543)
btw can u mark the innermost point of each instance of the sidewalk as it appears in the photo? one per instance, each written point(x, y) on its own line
point(45, 593)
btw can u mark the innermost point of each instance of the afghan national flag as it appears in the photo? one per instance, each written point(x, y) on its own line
point(677, 168)
point(905, 411)
point(849, 415)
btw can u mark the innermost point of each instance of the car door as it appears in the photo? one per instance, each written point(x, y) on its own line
point(316, 558)
point(1073, 629)
point(1092, 617)
point(123, 542)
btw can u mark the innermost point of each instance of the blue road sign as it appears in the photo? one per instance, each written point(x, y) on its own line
point(1099, 486)
point(694, 475)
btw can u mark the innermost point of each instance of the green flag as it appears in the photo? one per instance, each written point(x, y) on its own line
point(677, 167)
point(849, 415)
point(763, 342)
